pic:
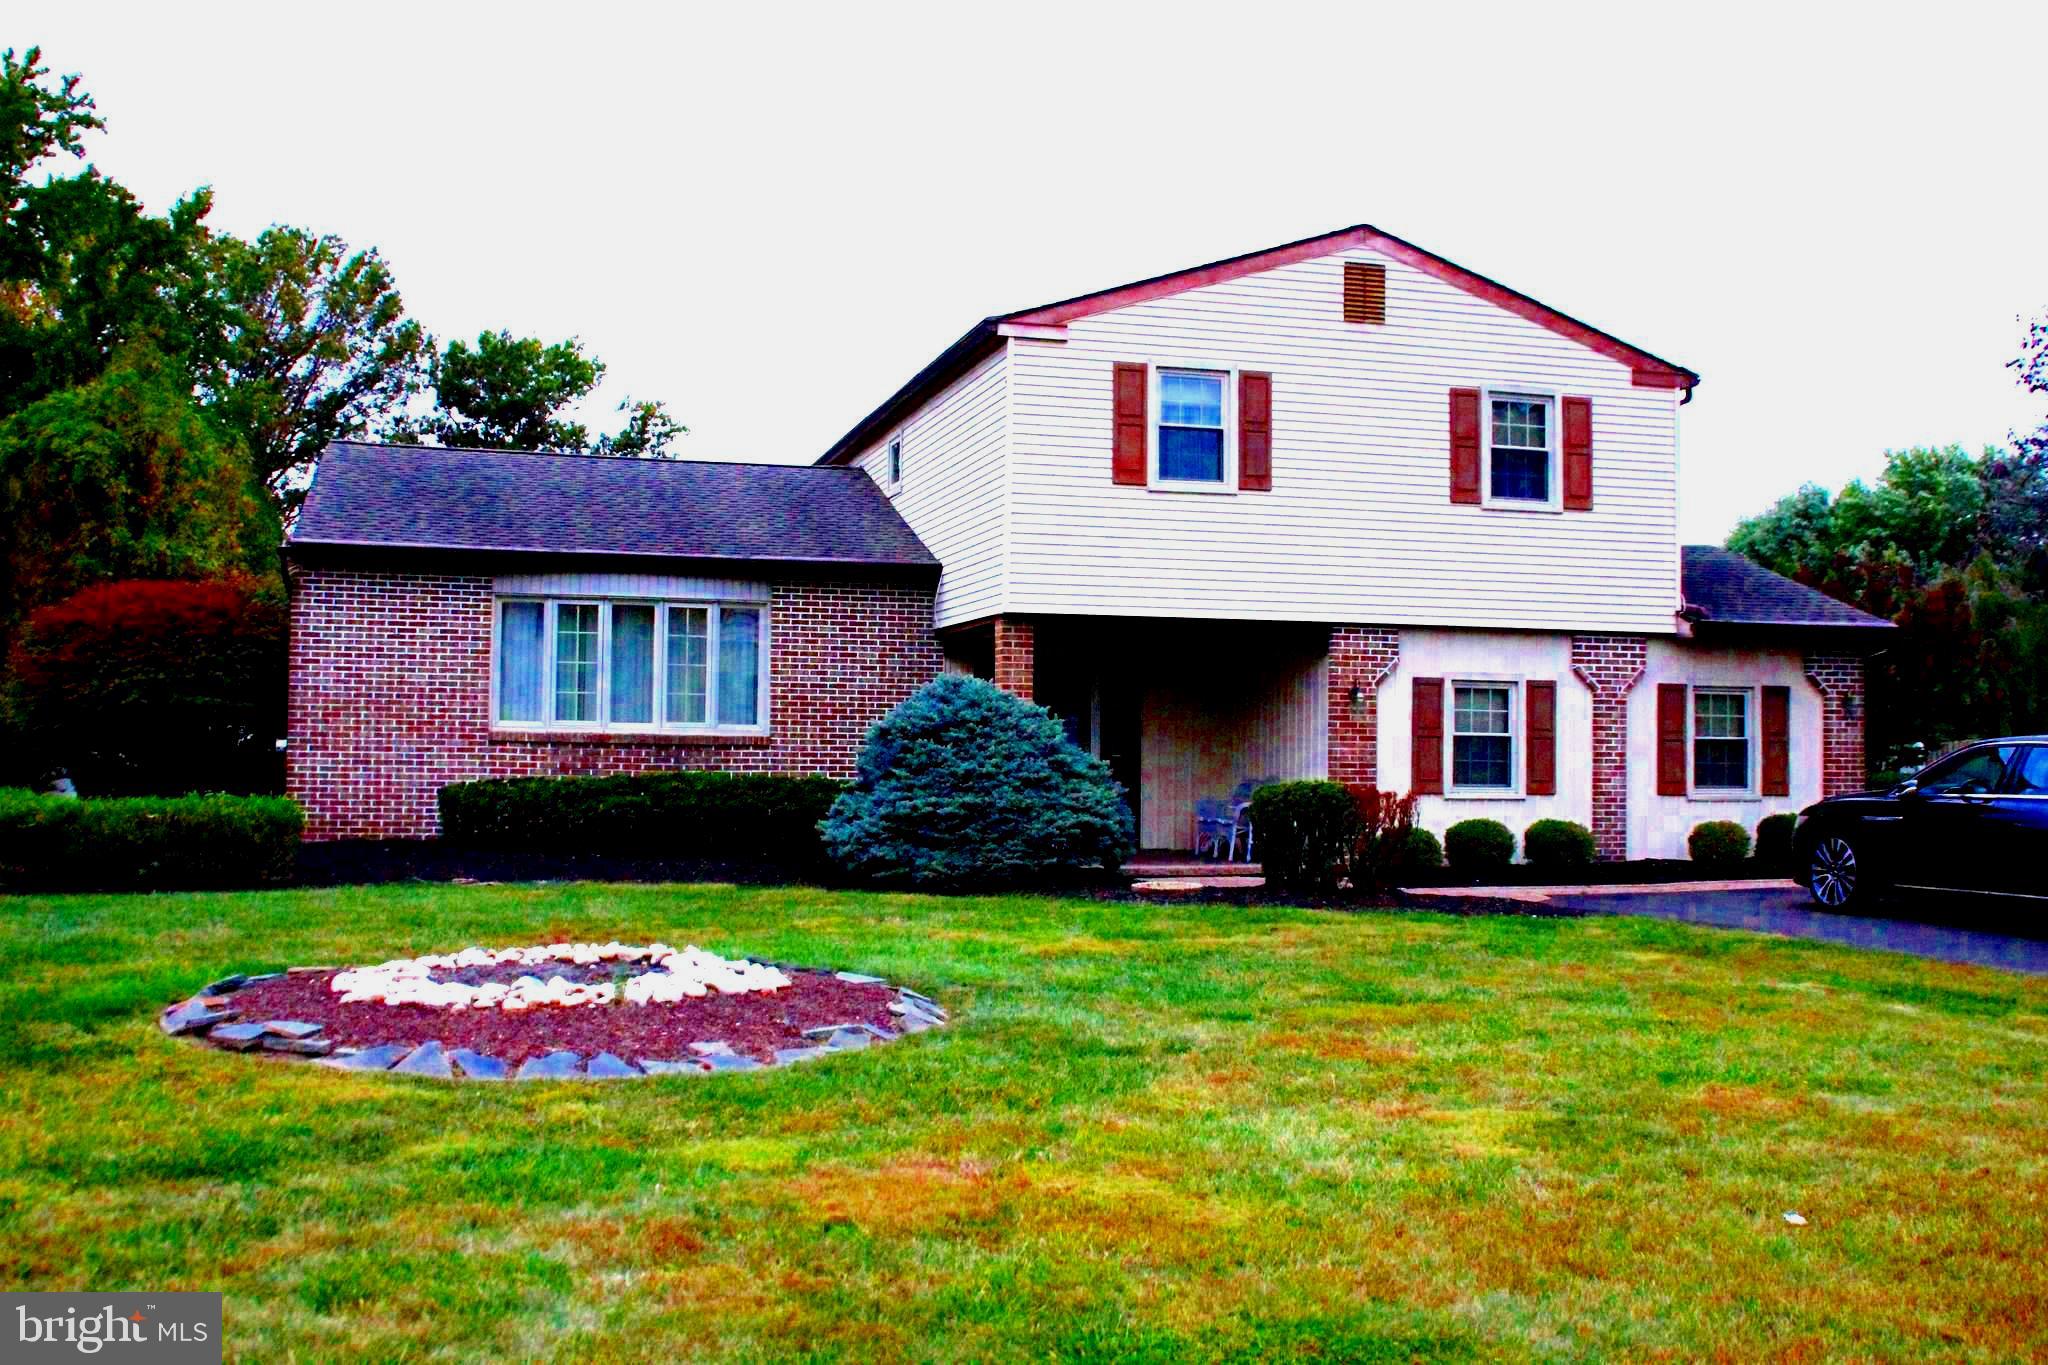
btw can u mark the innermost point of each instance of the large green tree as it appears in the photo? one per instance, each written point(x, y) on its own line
point(514, 393)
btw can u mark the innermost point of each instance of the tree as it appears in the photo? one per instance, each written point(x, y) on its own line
point(506, 393)
point(315, 346)
point(649, 433)
point(38, 120)
point(1927, 508)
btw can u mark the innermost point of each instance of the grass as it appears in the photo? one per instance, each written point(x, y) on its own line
point(1167, 1134)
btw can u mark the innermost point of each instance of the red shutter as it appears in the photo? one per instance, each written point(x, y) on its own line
point(1254, 430)
point(1578, 454)
point(1426, 733)
point(1777, 741)
point(1671, 765)
point(1464, 445)
point(1132, 399)
point(1541, 777)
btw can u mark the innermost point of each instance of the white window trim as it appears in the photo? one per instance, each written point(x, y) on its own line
point(1551, 433)
point(1752, 739)
point(604, 725)
point(1153, 445)
point(892, 460)
point(1514, 790)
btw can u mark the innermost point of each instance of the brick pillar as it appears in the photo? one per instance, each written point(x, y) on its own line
point(1839, 680)
point(1609, 666)
point(1016, 656)
point(1361, 657)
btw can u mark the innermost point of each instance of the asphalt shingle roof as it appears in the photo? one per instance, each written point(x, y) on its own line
point(427, 497)
point(1735, 591)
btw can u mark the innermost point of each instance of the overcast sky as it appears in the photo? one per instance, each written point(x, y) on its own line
point(771, 218)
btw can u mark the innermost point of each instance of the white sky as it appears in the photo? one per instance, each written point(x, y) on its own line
point(772, 217)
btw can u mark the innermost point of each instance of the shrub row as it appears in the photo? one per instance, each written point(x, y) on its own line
point(1313, 834)
point(1488, 845)
point(720, 817)
point(55, 843)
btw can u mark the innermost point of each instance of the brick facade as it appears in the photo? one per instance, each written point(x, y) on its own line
point(1839, 680)
point(1016, 657)
point(1609, 665)
point(1361, 657)
point(390, 694)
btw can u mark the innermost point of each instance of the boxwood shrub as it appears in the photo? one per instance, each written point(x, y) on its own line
point(1306, 833)
point(1554, 844)
point(146, 843)
point(719, 817)
point(1479, 846)
point(1718, 843)
point(1420, 851)
point(1774, 840)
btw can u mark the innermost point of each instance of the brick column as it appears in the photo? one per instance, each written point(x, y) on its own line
point(1361, 657)
point(1016, 657)
point(1609, 666)
point(1839, 680)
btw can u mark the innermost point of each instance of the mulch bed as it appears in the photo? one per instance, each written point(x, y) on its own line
point(754, 1024)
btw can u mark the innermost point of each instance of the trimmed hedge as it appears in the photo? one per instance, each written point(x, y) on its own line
point(1557, 844)
point(1307, 832)
point(719, 817)
point(1774, 839)
point(1718, 843)
point(147, 843)
point(1420, 851)
point(1479, 846)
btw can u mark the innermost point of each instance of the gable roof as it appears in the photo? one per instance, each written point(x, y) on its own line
point(399, 497)
point(1724, 588)
point(983, 337)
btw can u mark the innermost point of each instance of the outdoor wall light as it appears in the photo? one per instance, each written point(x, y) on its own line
point(1357, 695)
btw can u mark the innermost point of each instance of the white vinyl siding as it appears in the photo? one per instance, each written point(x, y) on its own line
point(1358, 525)
point(953, 490)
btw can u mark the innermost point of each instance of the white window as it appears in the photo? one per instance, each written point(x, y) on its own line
point(1720, 739)
point(604, 665)
point(896, 460)
point(1521, 441)
point(1482, 737)
point(1191, 444)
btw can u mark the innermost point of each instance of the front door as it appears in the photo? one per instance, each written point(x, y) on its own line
point(1947, 835)
point(1122, 735)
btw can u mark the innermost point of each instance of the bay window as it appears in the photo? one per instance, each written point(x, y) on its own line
point(632, 665)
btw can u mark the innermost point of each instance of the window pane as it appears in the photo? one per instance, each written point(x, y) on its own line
point(1191, 400)
point(1521, 422)
point(1975, 772)
point(1720, 715)
point(2032, 777)
point(576, 661)
point(1720, 763)
point(689, 662)
point(1191, 453)
point(521, 629)
point(632, 676)
point(1480, 710)
point(1481, 761)
point(739, 666)
point(1521, 474)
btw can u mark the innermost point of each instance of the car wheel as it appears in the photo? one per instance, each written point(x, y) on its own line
point(1835, 876)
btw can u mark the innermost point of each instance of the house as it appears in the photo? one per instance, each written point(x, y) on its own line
point(1340, 508)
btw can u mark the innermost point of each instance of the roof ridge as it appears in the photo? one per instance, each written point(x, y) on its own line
point(576, 455)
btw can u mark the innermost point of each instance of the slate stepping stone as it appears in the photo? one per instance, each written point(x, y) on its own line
point(193, 1017)
point(292, 1028)
point(692, 1067)
point(731, 1061)
point(785, 1055)
point(426, 1060)
point(267, 976)
point(712, 1049)
point(556, 1066)
point(605, 1067)
point(861, 979)
point(917, 1023)
point(238, 1037)
point(377, 1058)
point(297, 1047)
point(847, 1039)
point(880, 1034)
point(477, 1067)
point(226, 984)
point(827, 1030)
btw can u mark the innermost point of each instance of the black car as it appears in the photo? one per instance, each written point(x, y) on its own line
point(1975, 820)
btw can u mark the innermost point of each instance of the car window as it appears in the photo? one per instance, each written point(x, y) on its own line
point(1979, 770)
point(2030, 774)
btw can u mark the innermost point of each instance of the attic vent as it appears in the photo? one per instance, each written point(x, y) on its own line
point(1365, 292)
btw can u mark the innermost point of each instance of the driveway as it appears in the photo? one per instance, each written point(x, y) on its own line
point(1979, 931)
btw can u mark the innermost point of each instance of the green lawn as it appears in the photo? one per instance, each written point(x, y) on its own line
point(1158, 1133)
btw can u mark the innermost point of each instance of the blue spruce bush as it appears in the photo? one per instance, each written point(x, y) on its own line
point(965, 785)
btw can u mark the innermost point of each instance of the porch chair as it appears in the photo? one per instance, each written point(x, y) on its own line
point(1213, 826)
point(1241, 814)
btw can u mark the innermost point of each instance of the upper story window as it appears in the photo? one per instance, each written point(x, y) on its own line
point(1191, 426)
point(1720, 739)
point(896, 460)
point(1521, 433)
point(1482, 737)
point(601, 665)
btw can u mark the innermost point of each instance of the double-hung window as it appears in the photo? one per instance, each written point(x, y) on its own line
point(896, 461)
point(1191, 445)
point(631, 665)
point(1482, 737)
point(1521, 436)
point(1720, 739)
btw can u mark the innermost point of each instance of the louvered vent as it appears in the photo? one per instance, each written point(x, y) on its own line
point(1365, 292)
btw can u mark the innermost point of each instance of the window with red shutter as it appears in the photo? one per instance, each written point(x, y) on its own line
point(1578, 454)
point(1671, 765)
point(1426, 738)
point(1465, 445)
point(1541, 743)
point(1777, 738)
point(1254, 431)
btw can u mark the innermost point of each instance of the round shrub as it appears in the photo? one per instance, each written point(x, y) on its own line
point(1306, 832)
point(1557, 844)
point(1718, 843)
point(1479, 846)
point(1420, 852)
point(1774, 839)
point(965, 785)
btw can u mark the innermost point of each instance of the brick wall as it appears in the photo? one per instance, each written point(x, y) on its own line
point(1360, 656)
point(1839, 680)
point(390, 695)
point(1609, 665)
point(1016, 657)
